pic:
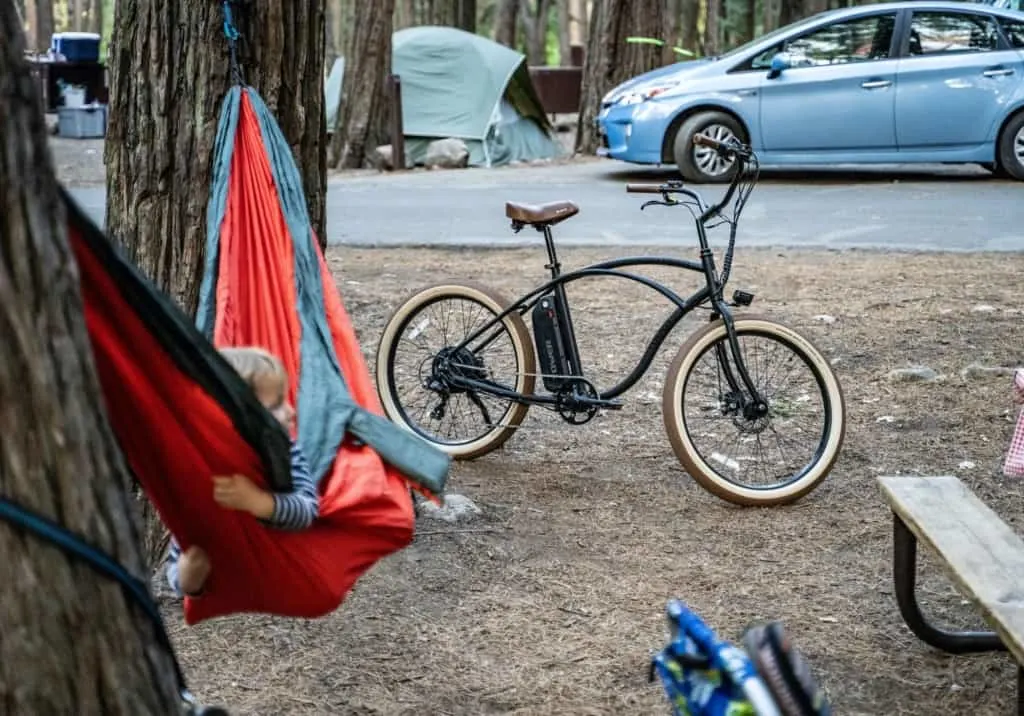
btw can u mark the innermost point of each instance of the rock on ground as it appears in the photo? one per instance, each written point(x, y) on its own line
point(448, 153)
point(456, 508)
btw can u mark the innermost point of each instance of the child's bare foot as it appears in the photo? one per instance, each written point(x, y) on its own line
point(193, 570)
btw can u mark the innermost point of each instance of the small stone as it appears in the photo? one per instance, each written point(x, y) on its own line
point(918, 373)
point(885, 419)
point(983, 308)
point(967, 465)
point(382, 158)
point(980, 371)
point(456, 508)
point(825, 318)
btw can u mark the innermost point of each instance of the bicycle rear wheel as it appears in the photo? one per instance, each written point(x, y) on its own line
point(421, 376)
point(704, 416)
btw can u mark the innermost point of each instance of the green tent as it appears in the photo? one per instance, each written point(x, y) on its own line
point(457, 84)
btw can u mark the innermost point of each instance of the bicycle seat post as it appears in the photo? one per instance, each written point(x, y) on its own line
point(549, 242)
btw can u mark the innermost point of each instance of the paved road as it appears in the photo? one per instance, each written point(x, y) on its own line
point(929, 208)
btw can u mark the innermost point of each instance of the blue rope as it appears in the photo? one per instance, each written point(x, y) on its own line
point(74, 545)
point(230, 31)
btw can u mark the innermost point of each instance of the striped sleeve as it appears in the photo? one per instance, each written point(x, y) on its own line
point(297, 509)
point(173, 554)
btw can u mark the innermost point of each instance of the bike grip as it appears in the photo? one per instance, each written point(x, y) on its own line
point(703, 139)
point(643, 188)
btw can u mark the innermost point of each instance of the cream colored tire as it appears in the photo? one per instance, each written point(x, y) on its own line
point(673, 411)
point(522, 345)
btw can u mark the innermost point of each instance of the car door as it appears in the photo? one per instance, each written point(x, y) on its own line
point(838, 94)
point(954, 81)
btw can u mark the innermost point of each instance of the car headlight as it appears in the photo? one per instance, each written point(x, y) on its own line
point(645, 94)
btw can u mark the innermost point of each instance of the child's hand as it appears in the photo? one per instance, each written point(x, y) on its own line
point(238, 492)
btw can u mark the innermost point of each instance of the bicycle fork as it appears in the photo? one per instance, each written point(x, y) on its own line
point(754, 406)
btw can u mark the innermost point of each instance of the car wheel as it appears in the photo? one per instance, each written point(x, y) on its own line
point(702, 164)
point(1011, 147)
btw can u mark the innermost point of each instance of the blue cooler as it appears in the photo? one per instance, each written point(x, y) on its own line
point(77, 46)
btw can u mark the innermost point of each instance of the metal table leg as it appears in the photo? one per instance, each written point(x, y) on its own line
point(905, 578)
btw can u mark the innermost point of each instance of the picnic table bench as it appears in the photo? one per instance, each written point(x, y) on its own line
point(984, 555)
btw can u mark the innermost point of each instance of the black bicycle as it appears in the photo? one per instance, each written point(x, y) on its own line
point(737, 387)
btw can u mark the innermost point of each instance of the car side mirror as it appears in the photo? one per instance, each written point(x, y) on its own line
point(780, 61)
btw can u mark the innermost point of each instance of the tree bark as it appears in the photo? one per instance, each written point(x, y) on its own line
point(405, 14)
point(365, 105)
point(689, 34)
point(96, 16)
point(443, 12)
point(44, 24)
point(168, 74)
point(712, 25)
point(505, 22)
point(790, 11)
point(577, 22)
point(769, 15)
point(610, 60)
point(564, 29)
point(71, 641)
point(535, 26)
point(465, 15)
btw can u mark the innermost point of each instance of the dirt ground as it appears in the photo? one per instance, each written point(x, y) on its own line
point(551, 602)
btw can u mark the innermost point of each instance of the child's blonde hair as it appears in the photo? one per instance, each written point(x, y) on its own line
point(251, 361)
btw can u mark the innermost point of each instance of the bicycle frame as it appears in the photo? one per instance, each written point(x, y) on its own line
point(711, 293)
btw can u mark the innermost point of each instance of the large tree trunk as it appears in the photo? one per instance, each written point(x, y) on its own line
point(689, 33)
point(712, 28)
point(610, 60)
point(443, 12)
point(405, 14)
point(44, 24)
point(790, 11)
point(564, 29)
point(97, 16)
point(465, 15)
point(365, 105)
point(71, 641)
point(505, 22)
point(168, 74)
point(535, 26)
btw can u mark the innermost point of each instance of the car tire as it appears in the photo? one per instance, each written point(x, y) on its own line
point(700, 164)
point(1010, 147)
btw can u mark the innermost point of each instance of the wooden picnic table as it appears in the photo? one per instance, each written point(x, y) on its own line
point(982, 553)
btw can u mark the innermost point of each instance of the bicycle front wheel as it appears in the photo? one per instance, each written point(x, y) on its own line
point(746, 459)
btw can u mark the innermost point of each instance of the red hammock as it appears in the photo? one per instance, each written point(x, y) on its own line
point(177, 432)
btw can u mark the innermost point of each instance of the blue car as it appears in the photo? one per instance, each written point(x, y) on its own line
point(908, 82)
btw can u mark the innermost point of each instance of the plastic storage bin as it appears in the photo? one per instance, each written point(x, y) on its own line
point(77, 46)
point(88, 122)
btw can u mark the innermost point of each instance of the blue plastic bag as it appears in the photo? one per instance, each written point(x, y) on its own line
point(705, 676)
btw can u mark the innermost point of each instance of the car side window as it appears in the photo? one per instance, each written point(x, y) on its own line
point(858, 40)
point(1014, 30)
point(942, 33)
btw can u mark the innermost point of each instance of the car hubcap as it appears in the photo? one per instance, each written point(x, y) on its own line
point(708, 160)
point(1018, 146)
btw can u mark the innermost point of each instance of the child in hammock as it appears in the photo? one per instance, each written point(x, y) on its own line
point(187, 572)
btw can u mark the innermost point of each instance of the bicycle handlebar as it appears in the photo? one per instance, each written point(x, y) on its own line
point(725, 150)
point(741, 153)
point(646, 188)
